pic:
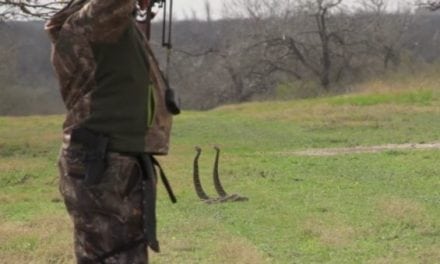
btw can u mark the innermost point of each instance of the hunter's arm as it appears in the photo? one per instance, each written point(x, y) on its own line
point(104, 20)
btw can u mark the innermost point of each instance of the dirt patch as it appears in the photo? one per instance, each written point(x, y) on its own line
point(397, 216)
point(237, 251)
point(405, 254)
point(403, 210)
point(336, 234)
point(361, 149)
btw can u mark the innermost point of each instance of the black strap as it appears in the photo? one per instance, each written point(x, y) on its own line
point(165, 181)
point(149, 201)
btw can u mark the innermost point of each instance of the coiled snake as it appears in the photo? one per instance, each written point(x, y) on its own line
point(222, 194)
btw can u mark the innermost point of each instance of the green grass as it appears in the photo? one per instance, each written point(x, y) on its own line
point(353, 208)
point(406, 98)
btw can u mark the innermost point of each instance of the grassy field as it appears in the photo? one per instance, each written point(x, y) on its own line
point(350, 208)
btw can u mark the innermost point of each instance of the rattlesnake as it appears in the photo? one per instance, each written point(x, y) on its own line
point(196, 179)
point(223, 196)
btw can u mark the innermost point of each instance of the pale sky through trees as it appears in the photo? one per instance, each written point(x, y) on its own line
point(183, 8)
point(188, 8)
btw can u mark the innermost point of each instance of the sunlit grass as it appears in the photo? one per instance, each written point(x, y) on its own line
point(354, 208)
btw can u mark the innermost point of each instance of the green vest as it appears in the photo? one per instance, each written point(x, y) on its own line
point(122, 103)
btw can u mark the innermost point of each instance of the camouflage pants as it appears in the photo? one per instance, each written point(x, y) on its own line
point(106, 216)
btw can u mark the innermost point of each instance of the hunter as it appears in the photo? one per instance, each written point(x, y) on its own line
point(116, 120)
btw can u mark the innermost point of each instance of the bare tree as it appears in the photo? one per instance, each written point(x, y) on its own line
point(384, 33)
point(7, 55)
point(8, 71)
point(432, 5)
point(300, 38)
point(321, 10)
point(208, 11)
point(13, 9)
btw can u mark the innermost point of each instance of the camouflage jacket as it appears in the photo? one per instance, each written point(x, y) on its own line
point(73, 31)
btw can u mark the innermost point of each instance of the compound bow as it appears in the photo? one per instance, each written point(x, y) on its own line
point(144, 16)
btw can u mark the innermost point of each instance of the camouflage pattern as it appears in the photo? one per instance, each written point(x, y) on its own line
point(158, 136)
point(72, 31)
point(108, 215)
